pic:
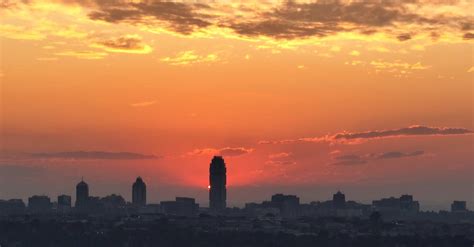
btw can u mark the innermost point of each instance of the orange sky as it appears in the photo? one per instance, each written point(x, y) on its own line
point(267, 84)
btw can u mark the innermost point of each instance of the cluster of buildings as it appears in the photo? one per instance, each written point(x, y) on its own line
point(289, 206)
point(279, 206)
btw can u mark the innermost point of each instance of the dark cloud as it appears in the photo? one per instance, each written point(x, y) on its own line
point(434, 36)
point(467, 26)
point(348, 160)
point(468, 36)
point(278, 28)
point(179, 17)
point(123, 43)
point(94, 155)
point(322, 18)
point(287, 20)
point(362, 13)
point(348, 157)
point(355, 137)
point(416, 130)
point(353, 159)
point(396, 155)
point(5, 4)
point(404, 37)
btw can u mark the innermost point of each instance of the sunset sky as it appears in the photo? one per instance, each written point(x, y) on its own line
point(304, 97)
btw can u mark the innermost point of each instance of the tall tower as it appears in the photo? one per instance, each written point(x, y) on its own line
point(217, 183)
point(139, 192)
point(339, 200)
point(82, 193)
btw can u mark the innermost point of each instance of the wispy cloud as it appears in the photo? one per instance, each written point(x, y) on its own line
point(90, 55)
point(358, 137)
point(143, 103)
point(398, 66)
point(279, 155)
point(94, 155)
point(415, 130)
point(190, 57)
point(226, 151)
point(124, 44)
point(19, 32)
point(280, 159)
point(280, 162)
point(354, 53)
point(396, 155)
point(349, 160)
point(354, 159)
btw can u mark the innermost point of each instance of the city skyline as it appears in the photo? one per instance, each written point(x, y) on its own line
point(217, 196)
point(372, 98)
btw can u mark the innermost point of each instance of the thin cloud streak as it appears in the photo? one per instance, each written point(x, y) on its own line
point(415, 130)
point(280, 159)
point(354, 159)
point(358, 137)
point(396, 155)
point(94, 155)
point(226, 151)
point(124, 44)
point(144, 103)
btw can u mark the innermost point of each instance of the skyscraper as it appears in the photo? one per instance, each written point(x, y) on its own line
point(82, 193)
point(217, 183)
point(339, 200)
point(139, 192)
point(458, 206)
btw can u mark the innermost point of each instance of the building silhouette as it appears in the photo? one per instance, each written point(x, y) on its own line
point(395, 207)
point(339, 200)
point(139, 192)
point(64, 201)
point(287, 204)
point(458, 206)
point(39, 204)
point(112, 202)
point(217, 184)
point(12, 206)
point(82, 194)
point(182, 206)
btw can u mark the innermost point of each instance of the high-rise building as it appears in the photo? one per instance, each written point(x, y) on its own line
point(217, 184)
point(139, 192)
point(39, 204)
point(82, 194)
point(339, 200)
point(394, 207)
point(289, 205)
point(64, 201)
point(458, 206)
